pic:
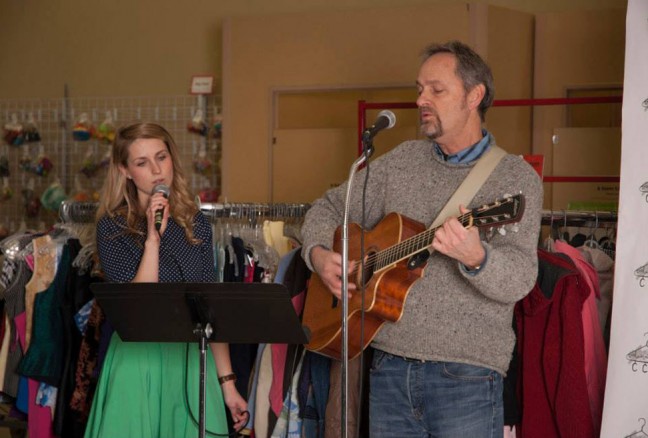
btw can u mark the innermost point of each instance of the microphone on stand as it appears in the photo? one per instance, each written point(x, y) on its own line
point(386, 120)
point(164, 189)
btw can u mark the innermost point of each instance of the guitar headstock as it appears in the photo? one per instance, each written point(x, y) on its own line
point(506, 210)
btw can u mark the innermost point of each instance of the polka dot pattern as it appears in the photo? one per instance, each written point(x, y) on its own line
point(180, 261)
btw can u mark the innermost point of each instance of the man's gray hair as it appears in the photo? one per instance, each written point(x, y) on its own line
point(471, 69)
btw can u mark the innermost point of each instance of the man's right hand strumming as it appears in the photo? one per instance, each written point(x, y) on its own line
point(328, 265)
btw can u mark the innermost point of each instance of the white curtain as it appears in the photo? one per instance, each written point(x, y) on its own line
point(626, 394)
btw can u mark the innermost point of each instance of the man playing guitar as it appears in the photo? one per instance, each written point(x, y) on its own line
point(438, 367)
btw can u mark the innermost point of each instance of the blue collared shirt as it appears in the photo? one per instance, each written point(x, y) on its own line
point(467, 155)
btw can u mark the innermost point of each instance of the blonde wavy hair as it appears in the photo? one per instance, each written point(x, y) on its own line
point(119, 194)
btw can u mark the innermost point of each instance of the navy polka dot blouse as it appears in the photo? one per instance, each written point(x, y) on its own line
point(180, 261)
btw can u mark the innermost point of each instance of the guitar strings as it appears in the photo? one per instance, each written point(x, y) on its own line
point(414, 244)
point(399, 251)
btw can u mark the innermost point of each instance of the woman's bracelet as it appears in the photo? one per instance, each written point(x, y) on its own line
point(227, 378)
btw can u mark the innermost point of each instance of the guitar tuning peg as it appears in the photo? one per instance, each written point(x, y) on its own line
point(502, 231)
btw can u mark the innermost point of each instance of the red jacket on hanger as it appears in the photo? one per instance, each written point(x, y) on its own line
point(553, 390)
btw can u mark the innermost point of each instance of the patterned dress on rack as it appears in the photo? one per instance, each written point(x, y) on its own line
point(14, 305)
point(144, 388)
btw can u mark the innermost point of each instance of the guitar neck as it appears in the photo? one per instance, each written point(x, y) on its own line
point(413, 245)
point(503, 211)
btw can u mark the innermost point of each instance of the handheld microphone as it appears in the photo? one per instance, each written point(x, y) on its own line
point(164, 189)
point(386, 120)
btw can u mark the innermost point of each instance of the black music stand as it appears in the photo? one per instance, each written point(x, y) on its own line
point(206, 312)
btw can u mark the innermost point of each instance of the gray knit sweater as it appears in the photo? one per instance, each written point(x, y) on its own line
point(450, 315)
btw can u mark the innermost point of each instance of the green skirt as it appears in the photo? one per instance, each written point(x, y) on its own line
point(141, 392)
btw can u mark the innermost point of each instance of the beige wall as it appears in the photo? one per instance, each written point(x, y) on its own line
point(317, 154)
point(331, 51)
point(152, 47)
point(572, 49)
point(115, 48)
point(148, 47)
point(316, 137)
point(511, 60)
point(312, 50)
point(575, 49)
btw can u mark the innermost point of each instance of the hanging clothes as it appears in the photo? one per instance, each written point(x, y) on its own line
point(604, 265)
point(14, 305)
point(43, 361)
point(553, 386)
point(594, 347)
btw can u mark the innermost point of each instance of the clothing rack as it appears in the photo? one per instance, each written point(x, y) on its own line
point(85, 212)
point(575, 218)
point(561, 220)
point(78, 212)
point(254, 211)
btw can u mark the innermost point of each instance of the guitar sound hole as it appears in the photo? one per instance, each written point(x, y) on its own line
point(368, 269)
point(368, 273)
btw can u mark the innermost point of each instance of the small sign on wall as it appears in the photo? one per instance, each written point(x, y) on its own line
point(202, 84)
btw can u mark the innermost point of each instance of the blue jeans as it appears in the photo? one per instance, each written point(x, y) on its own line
point(410, 398)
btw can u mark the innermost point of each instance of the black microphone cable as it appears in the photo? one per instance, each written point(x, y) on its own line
point(186, 385)
point(192, 417)
point(188, 407)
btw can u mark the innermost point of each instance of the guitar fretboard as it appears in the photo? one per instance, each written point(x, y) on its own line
point(408, 247)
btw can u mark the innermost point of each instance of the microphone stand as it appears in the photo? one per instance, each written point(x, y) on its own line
point(367, 152)
point(203, 330)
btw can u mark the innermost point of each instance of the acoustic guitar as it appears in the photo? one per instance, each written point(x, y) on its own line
point(395, 253)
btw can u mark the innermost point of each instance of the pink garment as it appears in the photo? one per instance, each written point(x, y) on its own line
point(604, 265)
point(279, 352)
point(594, 345)
point(29, 259)
point(249, 271)
point(39, 420)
